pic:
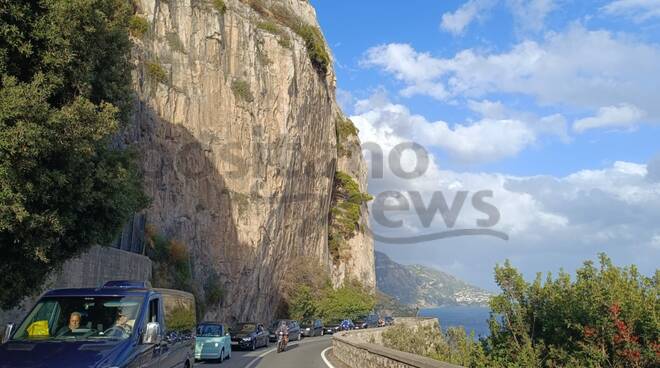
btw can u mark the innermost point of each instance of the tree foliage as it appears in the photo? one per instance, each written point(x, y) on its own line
point(607, 317)
point(64, 94)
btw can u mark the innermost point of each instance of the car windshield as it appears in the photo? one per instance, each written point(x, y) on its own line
point(276, 324)
point(63, 318)
point(210, 331)
point(245, 327)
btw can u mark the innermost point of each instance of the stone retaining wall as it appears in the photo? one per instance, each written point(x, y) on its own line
point(364, 349)
point(91, 269)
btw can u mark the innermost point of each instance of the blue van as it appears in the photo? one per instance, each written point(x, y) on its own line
point(124, 324)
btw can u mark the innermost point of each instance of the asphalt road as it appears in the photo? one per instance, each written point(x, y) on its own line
point(298, 354)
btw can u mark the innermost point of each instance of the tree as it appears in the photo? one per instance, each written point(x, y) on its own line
point(65, 94)
point(607, 317)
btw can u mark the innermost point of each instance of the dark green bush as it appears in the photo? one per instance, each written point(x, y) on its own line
point(318, 54)
point(345, 212)
point(241, 90)
point(138, 26)
point(220, 6)
point(156, 72)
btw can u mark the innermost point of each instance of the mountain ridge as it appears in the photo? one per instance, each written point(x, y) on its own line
point(420, 286)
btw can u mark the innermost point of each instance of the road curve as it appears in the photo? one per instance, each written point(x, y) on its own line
point(303, 354)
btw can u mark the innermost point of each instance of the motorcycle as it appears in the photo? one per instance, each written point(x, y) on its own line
point(281, 342)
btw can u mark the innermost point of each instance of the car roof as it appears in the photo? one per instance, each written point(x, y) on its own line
point(96, 292)
point(207, 323)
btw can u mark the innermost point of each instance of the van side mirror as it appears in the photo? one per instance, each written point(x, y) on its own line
point(152, 334)
point(9, 328)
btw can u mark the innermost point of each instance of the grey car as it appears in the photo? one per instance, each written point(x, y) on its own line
point(312, 328)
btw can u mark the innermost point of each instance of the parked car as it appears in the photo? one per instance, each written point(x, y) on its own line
point(312, 328)
point(360, 323)
point(248, 335)
point(332, 327)
point(121, 324)
point(212, 342)
point(389, 321)
point(295, 334)
point(347, 325)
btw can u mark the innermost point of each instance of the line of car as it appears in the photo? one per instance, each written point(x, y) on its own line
point(214, 341)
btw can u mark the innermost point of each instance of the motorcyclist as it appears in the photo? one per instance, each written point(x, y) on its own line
point(284, 329)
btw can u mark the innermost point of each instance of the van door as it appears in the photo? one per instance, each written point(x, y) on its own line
point(149, 355)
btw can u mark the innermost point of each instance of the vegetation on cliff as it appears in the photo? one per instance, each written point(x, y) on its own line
point(345, 212)
point(308, 294)
point(172, 269)
point(311, 35)
point(607, 317)
point(345, 131)
point(65, 93)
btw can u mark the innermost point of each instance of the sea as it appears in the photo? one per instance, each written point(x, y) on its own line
point(472, 318)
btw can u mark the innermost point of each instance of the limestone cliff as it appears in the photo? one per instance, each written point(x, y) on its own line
point(235, 121)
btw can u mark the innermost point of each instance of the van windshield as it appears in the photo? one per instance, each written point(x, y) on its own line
point(63, 318)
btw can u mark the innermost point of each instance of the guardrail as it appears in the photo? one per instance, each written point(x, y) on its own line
point(364, 349)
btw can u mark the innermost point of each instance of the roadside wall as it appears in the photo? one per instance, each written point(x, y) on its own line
point(91, 269)
point(364, 349)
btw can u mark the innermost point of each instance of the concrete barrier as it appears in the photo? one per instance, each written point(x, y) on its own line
point(364, 349)
point(91, 269)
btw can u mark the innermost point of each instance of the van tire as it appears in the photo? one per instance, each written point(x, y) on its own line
point(222, 356)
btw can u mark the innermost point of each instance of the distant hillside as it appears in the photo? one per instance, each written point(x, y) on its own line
point(423, 287)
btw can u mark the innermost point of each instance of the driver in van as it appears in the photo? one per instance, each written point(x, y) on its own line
point(74, 324)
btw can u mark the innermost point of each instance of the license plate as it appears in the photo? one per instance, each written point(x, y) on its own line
point(234, 342)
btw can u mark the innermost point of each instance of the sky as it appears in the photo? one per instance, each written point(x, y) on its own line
point(548, 110)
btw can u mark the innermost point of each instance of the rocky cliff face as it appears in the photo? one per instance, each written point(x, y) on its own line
point(236, 127)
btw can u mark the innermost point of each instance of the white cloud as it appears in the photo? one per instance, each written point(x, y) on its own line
point(653, 169)
point(496, 135)
point(457, 21)
point(552, 221)
point(530, 14)
point(562, 70)
point(638, 10)
point(623, 116)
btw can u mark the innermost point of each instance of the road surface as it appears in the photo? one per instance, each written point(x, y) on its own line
point(298, 354)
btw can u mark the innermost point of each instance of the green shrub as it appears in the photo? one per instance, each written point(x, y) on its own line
point(138, 26)
point(241, 90)
point(453, 346)
point(351, 300)
point(345, 129)
point(608, 317)
point(314, 43)
point(345, 212)
point(213, 289)
point(316, 50)
point(220, 6)
point(156, 72)
point(271, 27)
point(174, 42)
point(170, 260)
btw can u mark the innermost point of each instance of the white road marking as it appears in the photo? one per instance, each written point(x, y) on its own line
point(325, 360)
point(256, 359)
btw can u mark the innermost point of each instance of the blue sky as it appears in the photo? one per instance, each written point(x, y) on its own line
point(551, 104)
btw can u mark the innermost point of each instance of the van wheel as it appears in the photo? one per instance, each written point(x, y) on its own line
point(222, 356)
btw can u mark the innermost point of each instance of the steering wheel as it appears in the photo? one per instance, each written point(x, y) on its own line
point(117, 331)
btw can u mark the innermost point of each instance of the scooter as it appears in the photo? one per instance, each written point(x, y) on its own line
point(281, 342)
